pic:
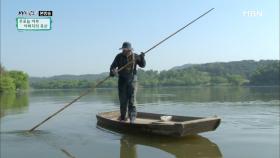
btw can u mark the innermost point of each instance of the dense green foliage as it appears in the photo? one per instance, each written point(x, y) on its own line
point(7, 83)
point(11, 81)
point(247, 72)
point(68, 84)
point(266, 75)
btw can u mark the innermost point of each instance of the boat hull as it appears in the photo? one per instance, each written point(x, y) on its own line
point(150, 123)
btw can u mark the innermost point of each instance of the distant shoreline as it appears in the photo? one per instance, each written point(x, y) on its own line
point(214, 86)
point(238, 73)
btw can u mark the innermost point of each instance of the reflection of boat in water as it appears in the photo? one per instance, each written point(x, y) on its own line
point(191, 146)
point(188, 147)
point(151, 123)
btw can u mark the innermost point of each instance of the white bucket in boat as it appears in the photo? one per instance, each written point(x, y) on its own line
point(165, 118)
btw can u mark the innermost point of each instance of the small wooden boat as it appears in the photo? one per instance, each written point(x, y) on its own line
point(151, 123)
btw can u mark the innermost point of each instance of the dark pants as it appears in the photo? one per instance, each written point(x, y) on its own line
point(127, 92)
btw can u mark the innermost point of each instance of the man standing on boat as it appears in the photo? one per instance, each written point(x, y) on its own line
point(127, 79)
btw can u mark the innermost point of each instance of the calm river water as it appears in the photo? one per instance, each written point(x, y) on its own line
point(249, 127)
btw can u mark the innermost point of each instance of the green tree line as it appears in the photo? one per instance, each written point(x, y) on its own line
point(238, 73)
point(12, 81)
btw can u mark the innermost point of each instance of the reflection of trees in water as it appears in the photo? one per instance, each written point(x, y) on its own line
point(187, 147)
point(11, 103)
point(201, 94)
point(207, 94)
point(266, 93)
point(169, 94)
point(99, 94)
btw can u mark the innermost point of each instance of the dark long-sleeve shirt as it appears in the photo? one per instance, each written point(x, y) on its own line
point(121, 60)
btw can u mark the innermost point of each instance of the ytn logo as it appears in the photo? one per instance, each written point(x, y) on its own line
point(33, 13)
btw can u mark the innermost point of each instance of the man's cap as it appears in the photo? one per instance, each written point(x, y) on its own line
point(126, 45)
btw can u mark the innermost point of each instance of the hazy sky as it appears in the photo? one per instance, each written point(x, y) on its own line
point(86, 35)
